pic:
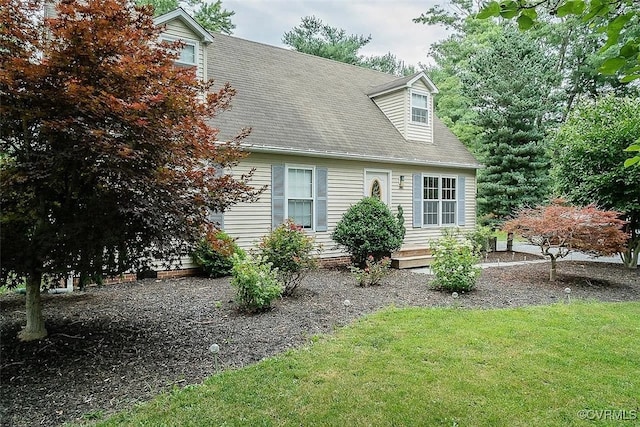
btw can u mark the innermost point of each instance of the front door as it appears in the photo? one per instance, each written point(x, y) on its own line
point(377, 184)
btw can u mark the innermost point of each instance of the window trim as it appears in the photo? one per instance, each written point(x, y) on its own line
point(440, 200)
point(187, 42)
point(411, 107)
point(313, 199)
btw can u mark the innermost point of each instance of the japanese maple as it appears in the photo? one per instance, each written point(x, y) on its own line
point(559, 228)
point(108, 155)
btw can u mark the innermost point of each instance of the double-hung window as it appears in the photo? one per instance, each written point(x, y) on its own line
point(419, 108)
point(299, 196)
point(439, 200)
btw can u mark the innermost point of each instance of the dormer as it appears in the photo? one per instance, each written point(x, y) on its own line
point(408, 104)
point(179, 25)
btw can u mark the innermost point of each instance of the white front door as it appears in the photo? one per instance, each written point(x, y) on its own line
point(377, 183)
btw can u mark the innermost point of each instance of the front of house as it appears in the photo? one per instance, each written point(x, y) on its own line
point(325, 134)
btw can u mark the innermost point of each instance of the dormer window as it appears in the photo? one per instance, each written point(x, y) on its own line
point(188, 54)
point(419, 108)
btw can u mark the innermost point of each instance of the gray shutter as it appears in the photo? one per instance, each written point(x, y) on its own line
point(417, 200)
point(217, 218)
point(321, 199)
point(277, 195)
point(461, 207)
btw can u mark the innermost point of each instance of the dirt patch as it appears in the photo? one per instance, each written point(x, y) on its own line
point(111, 347)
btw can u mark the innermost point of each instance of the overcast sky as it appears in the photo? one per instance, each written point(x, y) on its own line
point(387, 21)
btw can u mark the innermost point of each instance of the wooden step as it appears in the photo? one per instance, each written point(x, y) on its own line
point(411, 257)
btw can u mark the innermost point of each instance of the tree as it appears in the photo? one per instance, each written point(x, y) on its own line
point(210, 15)
point(510, 83)
point(389, 64)
point(588, 162)
point(316, 38)
point(618, 19)
point(108, 157)
point(558, 229)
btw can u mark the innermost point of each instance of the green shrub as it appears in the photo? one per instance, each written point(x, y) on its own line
point(373, 272)
point(454, 264)
point(479, 239)
point(289, 250)
point(369, 228)
point(214, 254)
point(255, 282)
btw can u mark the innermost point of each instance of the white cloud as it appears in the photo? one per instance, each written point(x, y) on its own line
point(388, 22)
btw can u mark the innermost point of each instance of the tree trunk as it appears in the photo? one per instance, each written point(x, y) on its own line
point(552, 273)
point(35, 329)
point(631, 254)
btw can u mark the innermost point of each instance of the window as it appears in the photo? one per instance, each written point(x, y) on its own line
point(439, 200)
point(188, 53)
point(419, 108)
point(376, 190)
point(299, 196)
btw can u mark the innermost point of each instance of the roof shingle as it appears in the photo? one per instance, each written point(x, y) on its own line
point(305, 104)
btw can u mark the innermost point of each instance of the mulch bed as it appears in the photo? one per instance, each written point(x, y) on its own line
point(111, 347)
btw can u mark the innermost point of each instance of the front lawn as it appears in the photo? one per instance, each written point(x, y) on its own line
point(565, 364)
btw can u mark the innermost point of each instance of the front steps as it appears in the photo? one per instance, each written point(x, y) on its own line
point(411, 257)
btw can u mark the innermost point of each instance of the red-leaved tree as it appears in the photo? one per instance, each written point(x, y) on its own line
point(559, 228)
point(108, 158)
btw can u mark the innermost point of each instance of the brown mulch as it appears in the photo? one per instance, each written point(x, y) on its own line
point(111, 347)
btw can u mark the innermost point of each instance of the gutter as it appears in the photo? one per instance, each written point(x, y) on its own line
point(355, 156)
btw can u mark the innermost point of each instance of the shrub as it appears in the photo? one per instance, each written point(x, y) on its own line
point(454, 264)
point(369, 228)
point(255, 282)
point(214, 254)
point(479, 239)
point(373, 272)
point(289, 250)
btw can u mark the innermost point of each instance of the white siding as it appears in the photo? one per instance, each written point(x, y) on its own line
point(419, 132)
point(176, 29)
point(394, 106)
point(249, 222)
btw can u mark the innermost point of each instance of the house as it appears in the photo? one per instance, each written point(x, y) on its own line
point(325, 134)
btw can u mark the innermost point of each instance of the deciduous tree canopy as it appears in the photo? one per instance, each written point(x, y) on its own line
point(588, 161)
point(108, 155)
point(210, 15)
point(559, 228)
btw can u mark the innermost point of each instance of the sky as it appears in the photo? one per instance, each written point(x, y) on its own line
point(389, 22)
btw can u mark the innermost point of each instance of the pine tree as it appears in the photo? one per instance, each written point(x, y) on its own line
point(510, 82)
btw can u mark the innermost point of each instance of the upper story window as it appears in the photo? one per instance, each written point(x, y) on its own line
point(188, 53)
point(419, 108)
point(440, 200)
point(299, 196)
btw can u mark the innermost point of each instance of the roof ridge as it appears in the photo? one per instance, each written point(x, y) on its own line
point(319, 58)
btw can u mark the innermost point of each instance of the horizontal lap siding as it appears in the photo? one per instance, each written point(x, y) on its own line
point(394, 106)
point(177, 29)
point(421, 132)
point(248, 222)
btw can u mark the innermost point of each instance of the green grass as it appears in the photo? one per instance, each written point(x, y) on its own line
point(441, 367)
point(502, 236)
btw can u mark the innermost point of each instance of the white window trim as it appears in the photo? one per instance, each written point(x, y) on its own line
point(423, 93)
point(440, 200)
point(288, 166)
point(188, 42)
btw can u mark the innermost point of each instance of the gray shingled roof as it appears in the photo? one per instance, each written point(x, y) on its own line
point(303, 104)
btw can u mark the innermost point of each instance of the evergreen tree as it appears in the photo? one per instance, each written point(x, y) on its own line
point(510, 82)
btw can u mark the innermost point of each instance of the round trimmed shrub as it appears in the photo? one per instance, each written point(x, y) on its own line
point(369, 228)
